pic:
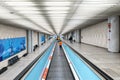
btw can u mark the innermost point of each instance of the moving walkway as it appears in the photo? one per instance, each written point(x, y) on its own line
point(61, 63)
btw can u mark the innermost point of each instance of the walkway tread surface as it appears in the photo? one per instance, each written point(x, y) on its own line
point(59, 68)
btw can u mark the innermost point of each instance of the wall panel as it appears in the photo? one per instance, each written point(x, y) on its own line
point(95, 34)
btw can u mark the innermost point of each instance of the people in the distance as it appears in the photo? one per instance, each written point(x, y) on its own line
point(70, 39)
point(60, 43)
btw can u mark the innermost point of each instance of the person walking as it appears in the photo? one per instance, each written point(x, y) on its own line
point(70, 39)
point(60, 44)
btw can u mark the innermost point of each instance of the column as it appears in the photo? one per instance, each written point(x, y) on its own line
point(46, 37)
point(113, 34)
point(39, 39)
point(77, 36)
point(29, 41)
point(66, 37)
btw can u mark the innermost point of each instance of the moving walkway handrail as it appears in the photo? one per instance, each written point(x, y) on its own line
point(103, 74)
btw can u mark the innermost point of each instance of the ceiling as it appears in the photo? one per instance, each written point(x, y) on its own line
point(56, 16)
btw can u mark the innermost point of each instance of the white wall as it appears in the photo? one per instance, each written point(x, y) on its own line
point(95, 34)
point(11, 32)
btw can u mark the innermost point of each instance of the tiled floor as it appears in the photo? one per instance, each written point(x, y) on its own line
point(15, 69)
point(107, 61)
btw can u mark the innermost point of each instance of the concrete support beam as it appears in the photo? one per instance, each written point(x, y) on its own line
point(39, 40)
point(66, 37)
point(69, 34)
point(73, 34)
point(32, 40)
point(46, 37)
point(29, 41)
point(77, 35)
point(113, 34)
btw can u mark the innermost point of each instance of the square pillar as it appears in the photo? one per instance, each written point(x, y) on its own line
point(113, 34)
point(39, 38)
point(78, 35)
point(29, 41)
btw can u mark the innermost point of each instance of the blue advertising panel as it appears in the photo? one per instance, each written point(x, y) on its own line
point(11, 46)
point(42, 38)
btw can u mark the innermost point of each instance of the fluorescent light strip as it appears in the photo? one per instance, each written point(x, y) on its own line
point(26, 8)
point(57, 12)
point(29, 12)
point(17, 0)
point(54, 4)
point(101, 1)
point(57, 8)
point(19, 3)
